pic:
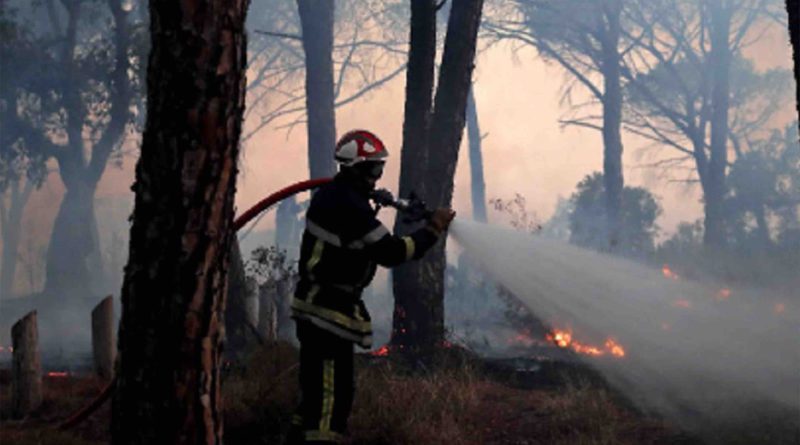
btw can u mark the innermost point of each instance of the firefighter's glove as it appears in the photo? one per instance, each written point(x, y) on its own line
point(440, 220)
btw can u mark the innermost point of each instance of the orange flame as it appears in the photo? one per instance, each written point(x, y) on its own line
point(779, 308)
point(564, 339)
point(616, 349)
point(668, 273)
point(58, 374)
point(383, 351)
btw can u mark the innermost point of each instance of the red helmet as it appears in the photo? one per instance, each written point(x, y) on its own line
point(358, 146)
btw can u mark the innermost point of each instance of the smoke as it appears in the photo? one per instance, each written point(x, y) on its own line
point(691, 350)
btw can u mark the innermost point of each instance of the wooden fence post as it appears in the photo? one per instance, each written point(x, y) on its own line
point(26, 371)
point(103, 343)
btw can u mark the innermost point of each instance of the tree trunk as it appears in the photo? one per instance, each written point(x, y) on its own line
point(267, 314)
point(475, 159)
point(26, 371)
point(793, 8)
point(612, 121)
point(173, 295)
point(714, 235)
point(11, 221)
point(73, 244)
point(424, 311)
point(413, 155)
point(103, 344)
point(762, 226)
point(316, 21)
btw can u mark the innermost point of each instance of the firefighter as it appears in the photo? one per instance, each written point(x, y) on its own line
point(342, 245)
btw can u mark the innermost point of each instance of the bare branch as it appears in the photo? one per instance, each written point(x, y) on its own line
point(283, 35)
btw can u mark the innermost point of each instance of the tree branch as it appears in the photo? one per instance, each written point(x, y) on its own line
point(283, 35)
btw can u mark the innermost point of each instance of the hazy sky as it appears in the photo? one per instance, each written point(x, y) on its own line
point(525, 151)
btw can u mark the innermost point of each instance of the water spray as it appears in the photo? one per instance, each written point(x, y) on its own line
point(691, 349)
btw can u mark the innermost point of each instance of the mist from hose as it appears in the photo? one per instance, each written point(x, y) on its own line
point(691, 350)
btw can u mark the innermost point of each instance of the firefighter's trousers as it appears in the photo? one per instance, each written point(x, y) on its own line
point(326, 384)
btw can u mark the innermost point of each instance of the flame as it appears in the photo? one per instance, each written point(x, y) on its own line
point(564, 339)
point(723, 294)
point(669, 273)
point(58, 374)
point(561, 338)
point(615, 348)
point(682, 303)
point(779, 308)
point(383, 351)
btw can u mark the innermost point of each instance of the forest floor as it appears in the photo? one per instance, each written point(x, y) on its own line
point(459, 399)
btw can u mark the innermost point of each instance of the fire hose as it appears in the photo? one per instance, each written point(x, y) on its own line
point(413, 209)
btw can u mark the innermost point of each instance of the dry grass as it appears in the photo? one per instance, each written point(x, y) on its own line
point(452, 402)
point(260, 398)
point(62, 396)
point(459, 405)
point(436, 407)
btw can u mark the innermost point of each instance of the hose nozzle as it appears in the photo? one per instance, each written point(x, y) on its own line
point(413, 208)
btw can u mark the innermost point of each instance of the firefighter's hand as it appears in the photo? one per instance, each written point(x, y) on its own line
point(441, 218)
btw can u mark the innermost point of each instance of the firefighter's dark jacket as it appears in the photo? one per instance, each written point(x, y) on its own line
point(342, 245)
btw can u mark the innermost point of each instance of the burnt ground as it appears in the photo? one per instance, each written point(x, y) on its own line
point(457, 398)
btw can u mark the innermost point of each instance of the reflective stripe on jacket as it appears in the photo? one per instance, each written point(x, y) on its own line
point(342, 245)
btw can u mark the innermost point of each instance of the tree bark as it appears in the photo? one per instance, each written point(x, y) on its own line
point(793, 8)
point(267, 314)
point(612, 121)
point(424, 310)
point(316, 21)
point(26, 371)
point(476, 159)
point(413, 154)
point(714, 235)
point(103, 344)
point(173, 296)
point(11, 221)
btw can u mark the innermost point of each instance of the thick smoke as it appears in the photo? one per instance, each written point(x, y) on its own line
point(691, 349)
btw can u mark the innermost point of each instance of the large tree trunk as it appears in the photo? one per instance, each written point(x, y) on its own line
point(413, 155)
point(173, 296)
point(793, 8)
point(475, 159)
point(11, 221)
point(720, 57)
point(425, 313)
point(73, 244)
point(612, 121)
point(316, 21)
